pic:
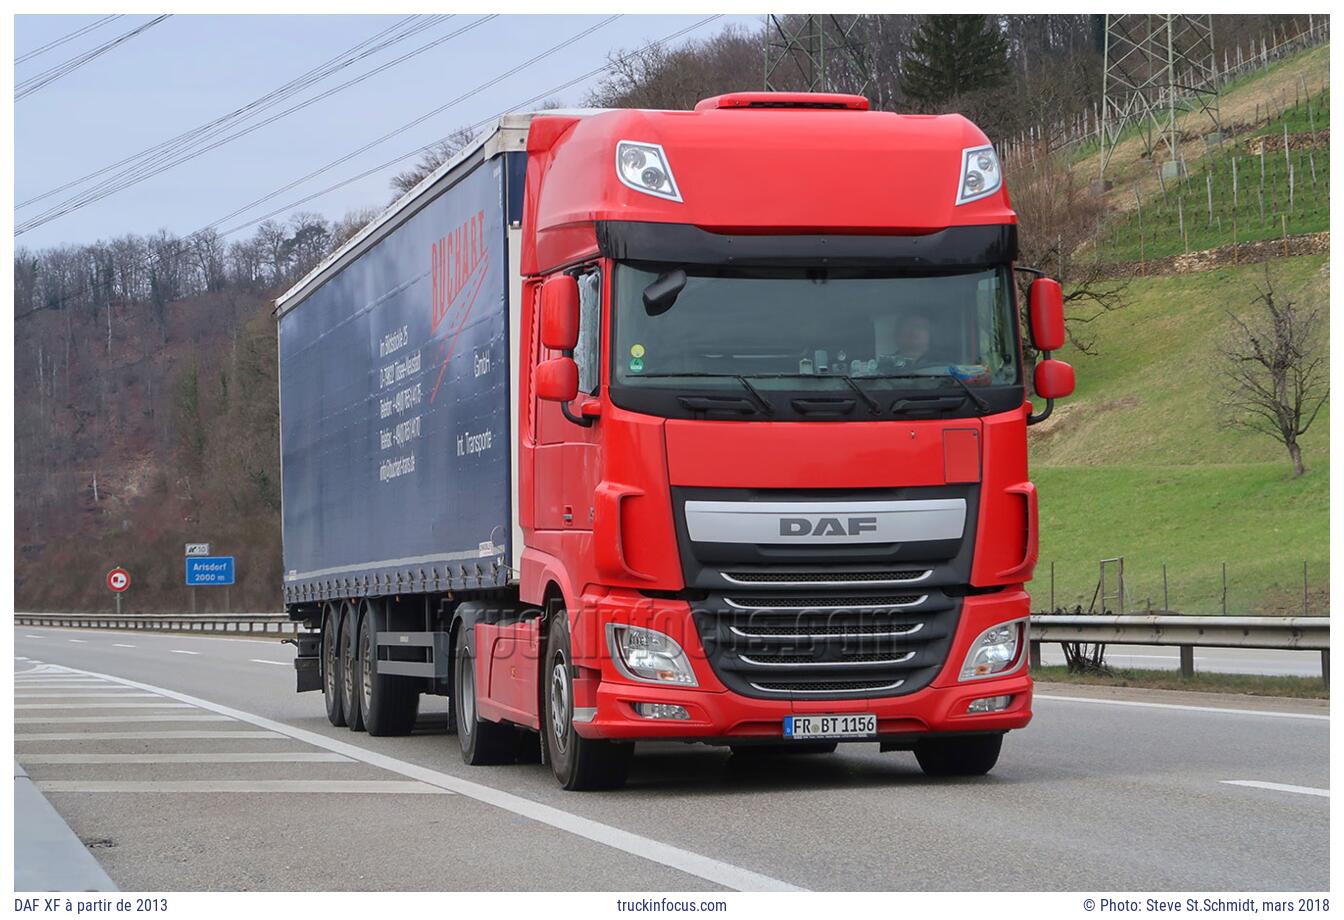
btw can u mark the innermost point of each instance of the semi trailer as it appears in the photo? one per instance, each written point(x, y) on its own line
point(699, 426)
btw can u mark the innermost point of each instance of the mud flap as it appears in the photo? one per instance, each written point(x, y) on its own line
point(307, 664)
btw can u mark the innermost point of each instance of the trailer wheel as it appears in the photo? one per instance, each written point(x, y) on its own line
point(349, 669)
point(578, 763)
point(389, 703)
point(331, 665)
point(971, 756)
point(484, 743)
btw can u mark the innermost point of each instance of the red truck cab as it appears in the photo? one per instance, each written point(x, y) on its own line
point(772, 459)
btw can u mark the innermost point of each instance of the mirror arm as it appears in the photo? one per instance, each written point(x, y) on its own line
point(1035, 418)
point(583, 421)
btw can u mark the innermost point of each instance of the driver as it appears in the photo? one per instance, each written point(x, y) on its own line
point(912, 339)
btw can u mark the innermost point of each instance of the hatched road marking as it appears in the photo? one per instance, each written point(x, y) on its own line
point(705, 867)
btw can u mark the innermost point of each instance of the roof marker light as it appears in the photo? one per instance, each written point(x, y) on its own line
point(643, 167)
point(980, 174)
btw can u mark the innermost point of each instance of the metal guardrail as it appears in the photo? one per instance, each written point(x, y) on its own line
point(275, 624)
point(1187, 633)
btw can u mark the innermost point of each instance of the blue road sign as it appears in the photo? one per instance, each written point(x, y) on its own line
point(209, 570)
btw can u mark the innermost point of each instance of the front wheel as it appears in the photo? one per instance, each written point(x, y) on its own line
point(578, 763)
point(974, 755)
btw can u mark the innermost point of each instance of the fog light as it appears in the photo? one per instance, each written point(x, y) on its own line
point(663, 711)
point(989, 704)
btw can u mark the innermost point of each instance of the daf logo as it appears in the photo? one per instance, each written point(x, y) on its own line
point(826, 526)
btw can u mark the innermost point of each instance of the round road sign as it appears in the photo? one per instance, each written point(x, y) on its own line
point(118, 580)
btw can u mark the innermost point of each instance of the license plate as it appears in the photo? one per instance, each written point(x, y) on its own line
point(850, 725)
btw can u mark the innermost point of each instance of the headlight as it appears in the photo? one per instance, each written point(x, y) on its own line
point(644, 168)
point(996, 651)
point(980, 174)
point(648, 655)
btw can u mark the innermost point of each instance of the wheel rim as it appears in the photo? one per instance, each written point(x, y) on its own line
point(369, 656)
point(560, 703)
point(329, 659)
point(466, 696)
point(348, 675)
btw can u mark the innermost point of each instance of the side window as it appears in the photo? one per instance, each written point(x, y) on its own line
point(587, 351)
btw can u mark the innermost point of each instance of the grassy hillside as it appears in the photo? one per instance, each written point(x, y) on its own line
point(1135, 464)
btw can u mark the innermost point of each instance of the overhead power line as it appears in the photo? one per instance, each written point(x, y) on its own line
point(137, 175)
point(71, 36)
point(476, 90)
point(349, 56)
point(52, 74)
point(520, 106)
point(386, 164)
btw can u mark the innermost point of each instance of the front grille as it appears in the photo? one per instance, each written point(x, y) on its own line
point(828, 602)
point(843, 646)
point(824, 577)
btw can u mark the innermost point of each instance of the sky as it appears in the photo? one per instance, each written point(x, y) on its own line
point(191, 69)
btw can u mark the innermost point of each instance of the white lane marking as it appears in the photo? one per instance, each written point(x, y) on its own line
point(31, 636)
point(121, 645)
point(20, 737)
point(78, 694)
point(265, 661)
point(43, 720)
point(705, 867)
point(1222, 709)
point(81, 641)
point(194, 757)
point(20, 658)
point(102, 706)
point(1278, 787)
point(182, 651)
point(290, 786)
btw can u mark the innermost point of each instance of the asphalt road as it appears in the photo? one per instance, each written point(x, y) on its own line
point(198, 768)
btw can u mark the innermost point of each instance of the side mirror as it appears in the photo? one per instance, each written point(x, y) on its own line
point(560, 312)
point(1053, 379)
point(1046, 306)
point(662, 293)
point(558, 380)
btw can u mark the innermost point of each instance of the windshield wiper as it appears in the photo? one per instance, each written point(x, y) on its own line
point(756, 396)
point(975, 397)
point(873, 405)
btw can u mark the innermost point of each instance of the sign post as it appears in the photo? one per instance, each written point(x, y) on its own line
point(195, 549)
point(118, 580)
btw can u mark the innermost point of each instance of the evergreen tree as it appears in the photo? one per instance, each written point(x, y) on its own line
point(951, 56)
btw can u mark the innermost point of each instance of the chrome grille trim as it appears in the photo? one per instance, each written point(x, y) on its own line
point(914, 628)
point(826, 664)
point(821, 606)
point(848, 690)
point(827, 583)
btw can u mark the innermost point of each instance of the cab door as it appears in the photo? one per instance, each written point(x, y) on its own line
point(567, 455)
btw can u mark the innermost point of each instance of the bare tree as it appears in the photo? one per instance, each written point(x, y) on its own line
point(1057, 218)
point(432, 159)
point(1275, 366)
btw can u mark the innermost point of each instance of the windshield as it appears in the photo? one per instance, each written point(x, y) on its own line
point(809, 329)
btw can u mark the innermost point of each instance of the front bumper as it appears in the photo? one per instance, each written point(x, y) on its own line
point(605, 703)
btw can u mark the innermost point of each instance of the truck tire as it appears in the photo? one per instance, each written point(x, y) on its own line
point(331, 665)
point(349, 668)
point(389, 703)
point(974, 755)
point(578, 763)
point(775, 750)
point(484, 743)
